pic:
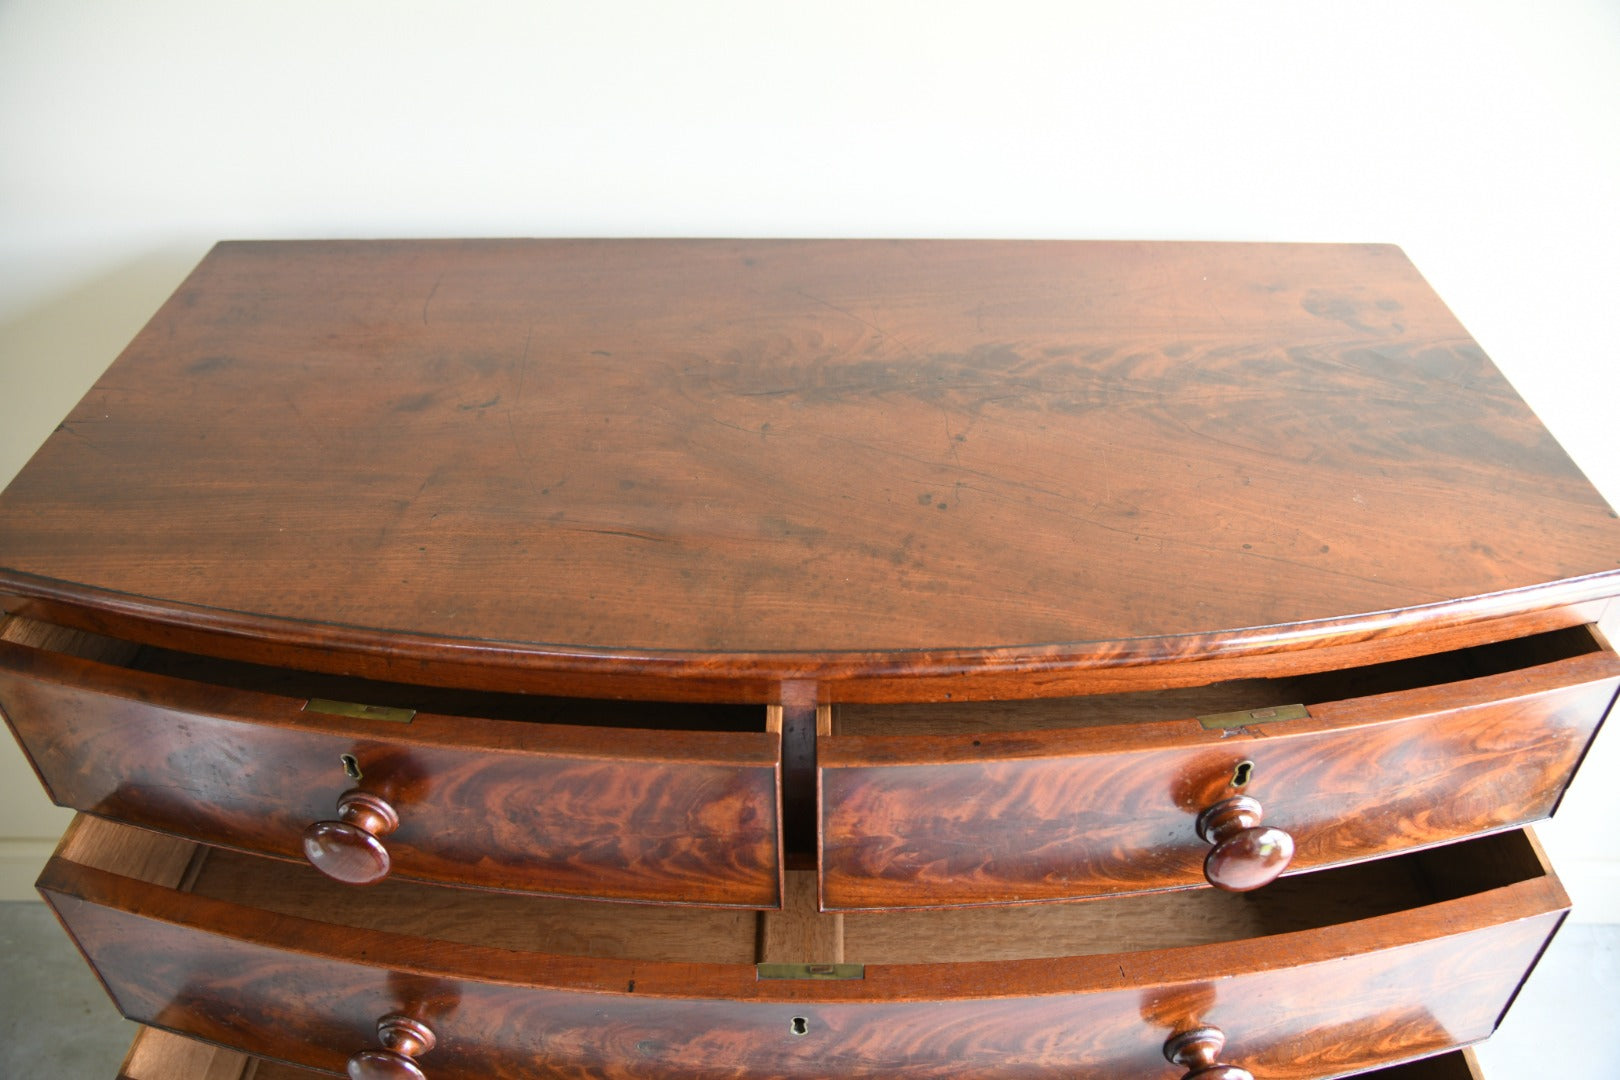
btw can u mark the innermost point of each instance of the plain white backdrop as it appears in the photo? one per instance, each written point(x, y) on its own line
point(1483, 137)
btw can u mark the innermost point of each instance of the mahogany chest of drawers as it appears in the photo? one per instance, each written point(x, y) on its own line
point(800, 659)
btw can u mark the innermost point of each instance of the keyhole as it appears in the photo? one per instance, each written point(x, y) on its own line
point(1243, 773)
point(799, 1026)
point(351, 767)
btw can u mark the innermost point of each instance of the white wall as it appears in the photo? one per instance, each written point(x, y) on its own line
point(1481, 136)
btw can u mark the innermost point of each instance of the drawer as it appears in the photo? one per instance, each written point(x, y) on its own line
point(160, 1055)
point(972, 803)
point(1458, 1065)
point(649, 802)
point(1327, 974)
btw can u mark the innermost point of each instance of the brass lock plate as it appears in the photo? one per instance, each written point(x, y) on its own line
point(810, 971)
point(1226, 721)
point(358, 711)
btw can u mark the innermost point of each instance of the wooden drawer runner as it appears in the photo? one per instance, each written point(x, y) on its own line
point(977, 803)
point(229, 755)
point(1326, 974)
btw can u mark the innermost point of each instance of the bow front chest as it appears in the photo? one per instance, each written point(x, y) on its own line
point(746, 659)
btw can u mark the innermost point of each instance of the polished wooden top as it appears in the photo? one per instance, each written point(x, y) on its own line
point(796, 459)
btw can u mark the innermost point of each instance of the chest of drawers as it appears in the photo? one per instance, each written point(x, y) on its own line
point(788, 659)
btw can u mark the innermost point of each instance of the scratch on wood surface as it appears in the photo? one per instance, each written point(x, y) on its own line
point(67, 427)
point(523, 361)
point(763, 431)
point(630, 535)
point(868, 323)
point(431, 293)
point(313, 431)
point(511, 410)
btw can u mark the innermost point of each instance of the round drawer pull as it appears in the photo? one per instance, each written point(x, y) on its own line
point(403, 1040)
point(1197, 1049)
point(1245, 856)
point(349, 849)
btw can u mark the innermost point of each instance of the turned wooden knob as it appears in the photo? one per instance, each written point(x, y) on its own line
point(403, 1039)
point(1197, 1049)
point(1245, 856)
point(349, 849)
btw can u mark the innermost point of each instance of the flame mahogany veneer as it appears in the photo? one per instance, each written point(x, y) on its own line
point(645, 616)
point(1328, 973)
point(159, 1055)
point(564, 808)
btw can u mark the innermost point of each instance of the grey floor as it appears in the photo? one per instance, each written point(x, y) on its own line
point(56, 1021)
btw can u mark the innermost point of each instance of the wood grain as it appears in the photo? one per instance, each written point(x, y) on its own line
point(1012, 816)
point(687, 816)
point(1407, 983)
point(162, 1055)
point(799, 933)
point(149, 856)
point(735, 465)
point(1457, 1065)
point(506, 921)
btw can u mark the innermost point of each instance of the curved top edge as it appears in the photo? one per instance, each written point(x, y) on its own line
point(561, 661)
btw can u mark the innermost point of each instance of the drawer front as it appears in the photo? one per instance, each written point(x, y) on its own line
point(162, 1056)
point(622, 814)
point(159, 1055)
point(1048, 815)
point(1324, 1002)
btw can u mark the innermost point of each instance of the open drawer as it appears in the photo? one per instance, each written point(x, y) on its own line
point(966, 803)
point(160, 1055)
point(1327, 974)
point(632, 801)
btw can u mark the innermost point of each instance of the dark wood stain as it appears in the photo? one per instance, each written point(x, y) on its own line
point(309, 991)
point(1146, 451)
point(672, 816)
point(586, 506)
point(1020, 816)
